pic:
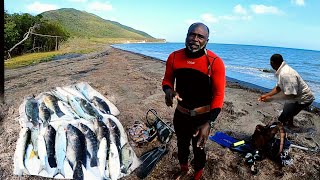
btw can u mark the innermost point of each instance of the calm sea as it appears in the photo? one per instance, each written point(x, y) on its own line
point(246, 62)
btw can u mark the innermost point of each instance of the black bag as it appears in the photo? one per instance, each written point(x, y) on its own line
point(164, 131)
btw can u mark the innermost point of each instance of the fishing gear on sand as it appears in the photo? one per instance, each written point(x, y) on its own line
point(164, 131)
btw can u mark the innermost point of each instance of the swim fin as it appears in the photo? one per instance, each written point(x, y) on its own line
point(149, 161)
point(228, 141)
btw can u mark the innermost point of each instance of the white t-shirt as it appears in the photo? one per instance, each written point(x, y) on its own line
point(291, 83)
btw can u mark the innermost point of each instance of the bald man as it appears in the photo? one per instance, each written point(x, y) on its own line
point(199, 78)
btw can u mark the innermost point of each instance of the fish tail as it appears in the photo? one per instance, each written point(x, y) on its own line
point(94, 162)
point(25, 171)
point(41, 169)
point(78, 172)
point(58, 171)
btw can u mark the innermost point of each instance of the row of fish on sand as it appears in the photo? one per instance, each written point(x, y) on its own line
point(72, 132)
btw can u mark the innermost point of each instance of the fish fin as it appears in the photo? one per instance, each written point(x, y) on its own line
point(153, 157)
point(94, 162)
point(78, 171)
point(32, 154)
point(60, 113)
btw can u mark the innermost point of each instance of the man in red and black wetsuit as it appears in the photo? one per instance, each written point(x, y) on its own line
point(200, 80)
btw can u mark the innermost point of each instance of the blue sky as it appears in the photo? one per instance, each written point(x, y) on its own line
point(281, 23)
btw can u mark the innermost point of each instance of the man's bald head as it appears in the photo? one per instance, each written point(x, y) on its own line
point(198, 24)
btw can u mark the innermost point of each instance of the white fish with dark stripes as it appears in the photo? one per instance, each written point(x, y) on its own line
point(32, 111)
point(71, 132)
point(91, 144)
point(76, 150)
point(22, 143)
point(52, 103)
point(102, 157)
point(60, 148)
point(88, 108)
point(44, 114)
point(67, 110)
point(50, 138)
point(114, 161)
point(77, 108)
point(101, 104)
point(42, 153)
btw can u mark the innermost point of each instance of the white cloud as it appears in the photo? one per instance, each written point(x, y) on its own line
point(238, 9)
point(262, 9)
point(298, 2)
point(235, 18)
point(78, 1)
point(191, 21)
point(98, 6)
point(38, 7)
point(229, 17)
point(209, 18)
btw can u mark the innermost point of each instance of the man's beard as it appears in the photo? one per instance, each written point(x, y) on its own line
point(195, 50)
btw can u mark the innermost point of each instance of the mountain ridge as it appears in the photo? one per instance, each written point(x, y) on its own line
point(84, 24)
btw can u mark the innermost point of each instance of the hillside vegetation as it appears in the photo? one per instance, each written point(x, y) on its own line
point(80, 32)
point(84, 24)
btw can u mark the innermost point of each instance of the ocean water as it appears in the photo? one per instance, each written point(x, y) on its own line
point(246, 62)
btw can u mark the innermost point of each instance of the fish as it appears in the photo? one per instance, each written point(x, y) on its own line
point(67, 110)
point(101, 130)
point(50, 138)
point(22, 143)
point(102, 158)
point(101, 104)
point(76, 147)
point(88, 108)
point(32, 111)
point(44, 114)
point(75, 105)
point(34, 141)
point(92, 144)
point(42, 153)
point(115, 136)
point(78, 172)
point(83, 88)
point(114, 161)
point(127, 155)
point(123, 134)
point(74, 91)
point(60, 95)
point(60, 149)
point(52, 103)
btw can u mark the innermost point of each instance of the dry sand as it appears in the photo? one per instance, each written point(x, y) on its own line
point(133, 83)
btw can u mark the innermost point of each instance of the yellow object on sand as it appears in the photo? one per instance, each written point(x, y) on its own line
point(238, 143)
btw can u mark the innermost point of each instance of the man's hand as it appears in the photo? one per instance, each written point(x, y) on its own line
point(202, 132)
point(170, 94)
point(264, 98)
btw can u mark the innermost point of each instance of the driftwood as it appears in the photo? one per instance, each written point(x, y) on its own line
point(26, 36)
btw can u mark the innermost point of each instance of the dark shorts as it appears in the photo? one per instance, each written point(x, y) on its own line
point(290, 110)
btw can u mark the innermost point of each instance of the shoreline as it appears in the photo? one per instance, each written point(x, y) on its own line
point(315, 106)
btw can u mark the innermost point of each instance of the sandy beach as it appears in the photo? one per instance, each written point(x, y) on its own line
point(133, 83)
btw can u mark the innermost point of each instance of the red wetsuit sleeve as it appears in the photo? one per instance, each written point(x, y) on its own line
point(218, 78)
point(168, 79)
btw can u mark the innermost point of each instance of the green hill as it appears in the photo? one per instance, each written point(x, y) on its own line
point(84, 24)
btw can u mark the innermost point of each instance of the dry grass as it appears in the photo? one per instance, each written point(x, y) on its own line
point(73, 45)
